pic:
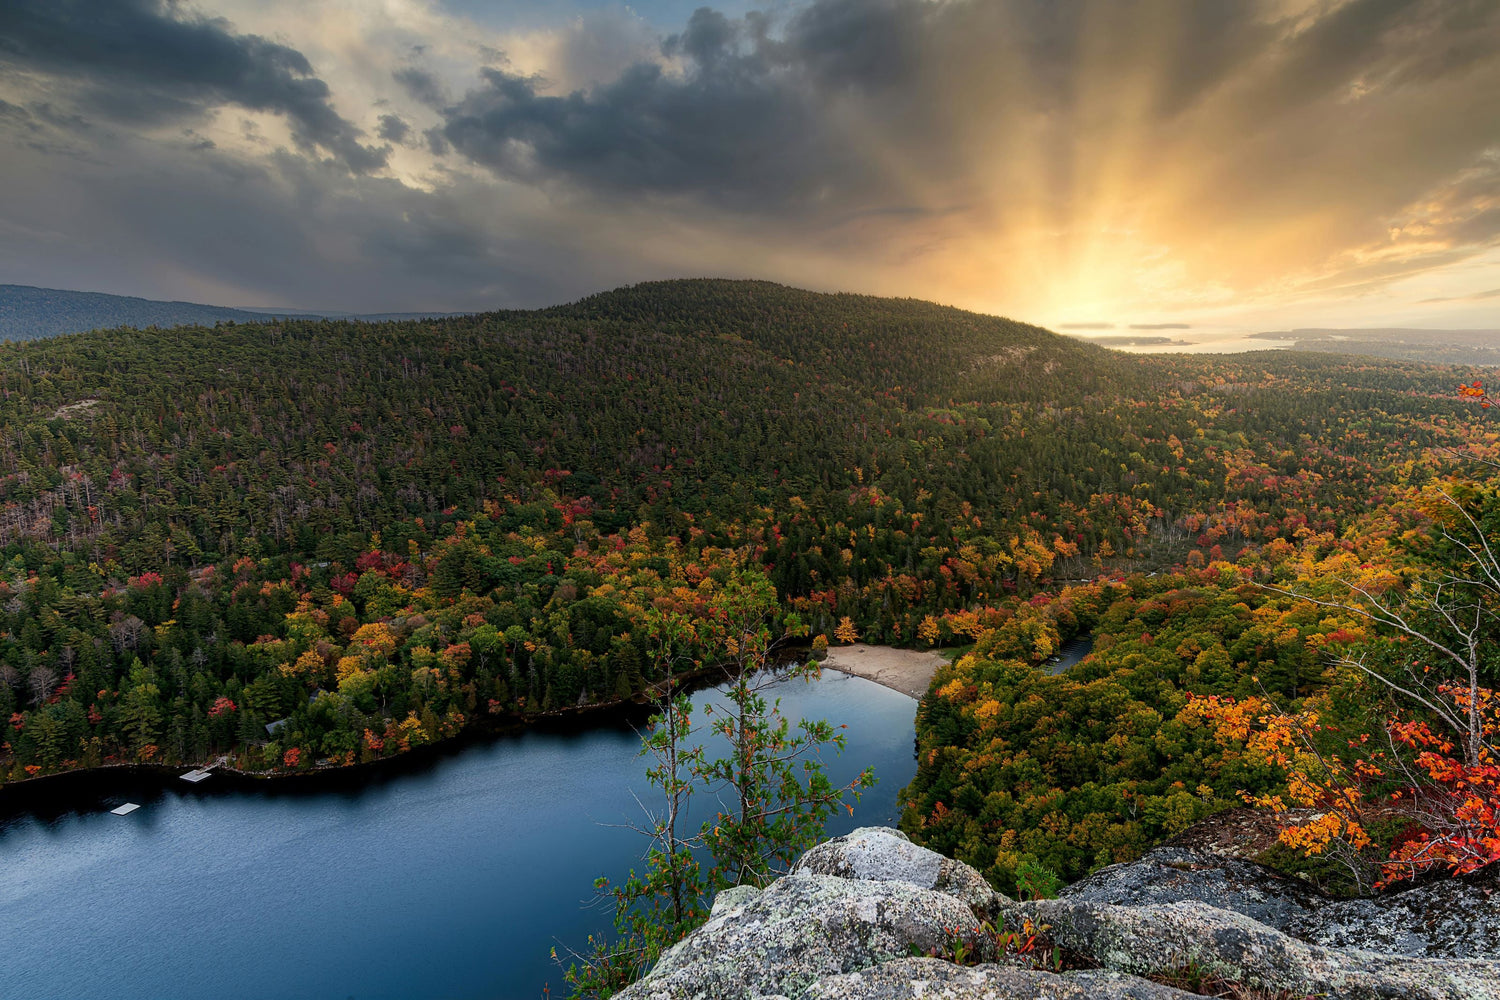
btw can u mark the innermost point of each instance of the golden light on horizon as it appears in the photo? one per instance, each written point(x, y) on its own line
point(1057, 162)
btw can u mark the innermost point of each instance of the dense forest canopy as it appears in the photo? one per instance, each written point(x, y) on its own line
point(371, 536)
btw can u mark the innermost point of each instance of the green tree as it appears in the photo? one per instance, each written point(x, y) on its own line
point(140, 708)
point(778, 796)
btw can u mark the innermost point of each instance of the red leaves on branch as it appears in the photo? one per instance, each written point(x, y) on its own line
point(1458, 807)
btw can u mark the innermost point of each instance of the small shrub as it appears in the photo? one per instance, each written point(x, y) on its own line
point(1036, 881)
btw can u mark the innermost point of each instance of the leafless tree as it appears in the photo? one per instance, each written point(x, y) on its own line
point(127, 634)
point(43, 681)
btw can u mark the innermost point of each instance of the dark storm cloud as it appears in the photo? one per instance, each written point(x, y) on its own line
point(740, 138)
point(421, 85)
point(1333, 49)
point(453, 248)
point(43, 128)
point(754, 118)
point(139, 62)
point(14, 113)
point(1211, 42)
point(708, 38)
point(392, 128)
point(436, 144)
point(745, 125)
point(858, 44)
point(1370, 44)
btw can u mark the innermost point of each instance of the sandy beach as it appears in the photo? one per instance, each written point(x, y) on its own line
point(906, 670)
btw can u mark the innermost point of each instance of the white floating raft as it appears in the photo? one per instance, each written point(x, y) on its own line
point(125, 810)
point(196, 776)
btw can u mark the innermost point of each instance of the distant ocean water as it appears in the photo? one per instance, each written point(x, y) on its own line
point(1198, 340)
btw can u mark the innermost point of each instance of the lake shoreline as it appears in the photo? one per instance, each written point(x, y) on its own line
point(383, 886)
point(23, 795)
point(47, 793)
point(905, 671)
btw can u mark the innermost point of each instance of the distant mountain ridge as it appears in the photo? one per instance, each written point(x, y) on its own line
point(29, 313)
point(1447, 347)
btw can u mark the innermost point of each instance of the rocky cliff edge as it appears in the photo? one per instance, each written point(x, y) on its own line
point(871, 916)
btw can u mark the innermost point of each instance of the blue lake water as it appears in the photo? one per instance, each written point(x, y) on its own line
point(1070, 654)
point(451, 881)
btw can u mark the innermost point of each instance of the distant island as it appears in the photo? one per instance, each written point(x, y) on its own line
point(28, 313)
point(1132, 340)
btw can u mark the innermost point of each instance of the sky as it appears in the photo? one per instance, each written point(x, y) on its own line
point(1211, 164)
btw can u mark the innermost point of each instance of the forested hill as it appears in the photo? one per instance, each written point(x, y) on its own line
point(680, 395)
point(361, 528)
point(875, 347)
point(27, 313)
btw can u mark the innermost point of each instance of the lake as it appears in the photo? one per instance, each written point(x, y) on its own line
point(1070, 654)
point(452, 880)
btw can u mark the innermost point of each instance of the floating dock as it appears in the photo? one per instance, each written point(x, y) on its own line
point(125, 810)
point(203, 772)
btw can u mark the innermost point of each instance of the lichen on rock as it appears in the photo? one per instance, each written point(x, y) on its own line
point(1441, 918)
point(879, 854)
point(934, 979)
point(1175, 874)
point(801, 929)
point(1162, 938)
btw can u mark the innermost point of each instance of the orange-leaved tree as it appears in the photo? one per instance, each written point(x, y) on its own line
point(1428, 767)
point(1405, 775)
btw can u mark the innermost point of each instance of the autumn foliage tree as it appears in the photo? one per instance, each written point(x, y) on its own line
point(1340, 785)
point(1429, 766)
point(846, 631)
